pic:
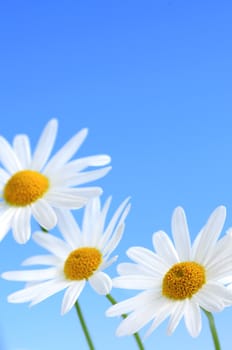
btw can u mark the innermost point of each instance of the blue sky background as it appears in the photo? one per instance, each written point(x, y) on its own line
point(152, 80)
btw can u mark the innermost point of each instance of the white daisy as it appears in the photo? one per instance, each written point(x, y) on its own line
point(33, 186)
point(81, 257)
point(176, 281)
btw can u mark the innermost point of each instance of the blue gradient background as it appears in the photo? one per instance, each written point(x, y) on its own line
point(152, 80)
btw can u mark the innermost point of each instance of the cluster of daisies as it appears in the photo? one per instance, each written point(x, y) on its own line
point(174, 281)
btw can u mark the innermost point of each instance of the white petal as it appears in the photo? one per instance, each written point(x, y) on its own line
point(103, 214)
point(113, 243)
point(67, 151)
point(94, 221)
point(26, 294)
point(122, 307)
point(209, 234)
point(4, 177)
point(134, 282)
point(221, 252)
point(41, 260)
point(80, 164)
point(101, 283)
point(50, 289)
point(21, 225)
point(163, 311)
point(131, 304)
point(148, 259)
point(176, 316)
point(44, 214)
point(90, 220)
point(6, 216)
point(53, 244)
point(30, 275)
point(8, 157)
point(164, 247)
point(192, 317)
point(109, 262)
point(88, 192)
point(226, 280)
point(69, 228)
point(212, 297)
point(71, 295)
point(45, 145)
point(133, 269)
point(21, 145)
point(71, 198)
point(87, 176)
point(195, 245)
point(136, 320)
point(117, 219)
point(181, 234)
point(63, 200)
point(221, 269)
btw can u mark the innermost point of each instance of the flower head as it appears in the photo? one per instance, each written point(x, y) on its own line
point(32, 185)
point(80, 257)
point(178, 280)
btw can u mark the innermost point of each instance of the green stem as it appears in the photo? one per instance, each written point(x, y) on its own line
point(213, 330)
point(43, 229)
point(84, 327)
point(136, 335)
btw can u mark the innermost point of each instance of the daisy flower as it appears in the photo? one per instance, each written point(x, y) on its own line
point(31, 185)
point(80, 257)
point(178, 279)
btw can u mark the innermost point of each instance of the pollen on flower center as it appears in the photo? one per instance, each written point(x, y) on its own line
point(82, 263)
point(25, 187)
point(183, 280)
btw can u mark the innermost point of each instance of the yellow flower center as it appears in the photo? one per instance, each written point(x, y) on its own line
point(183, 280)
point(25, 187)
point(82, 263)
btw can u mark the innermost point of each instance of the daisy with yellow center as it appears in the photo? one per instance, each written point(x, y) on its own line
point(80, 258)
point(176, 280)
point(32, 185)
